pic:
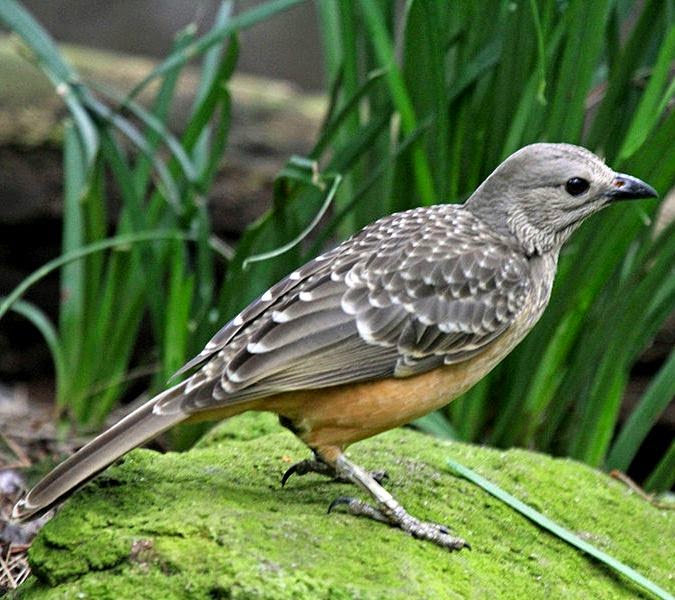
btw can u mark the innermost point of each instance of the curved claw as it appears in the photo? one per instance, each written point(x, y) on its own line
point(290, 471)
point(317, 466)
point(380, 476)
point(339, 500)
point(308, 466)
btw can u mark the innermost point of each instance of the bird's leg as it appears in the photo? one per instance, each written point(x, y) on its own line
point(387, 509)
point(317, 465)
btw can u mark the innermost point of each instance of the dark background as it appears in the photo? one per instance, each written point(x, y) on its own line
point(285, 47)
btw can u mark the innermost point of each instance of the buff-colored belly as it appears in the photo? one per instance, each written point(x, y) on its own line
point(341, 415)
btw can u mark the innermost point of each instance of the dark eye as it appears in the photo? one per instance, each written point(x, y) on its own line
point(577, 186)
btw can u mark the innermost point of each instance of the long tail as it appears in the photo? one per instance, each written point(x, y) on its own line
point(138, 427)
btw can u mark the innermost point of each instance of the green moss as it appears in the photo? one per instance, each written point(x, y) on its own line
point(214, 523)
point(247, 426)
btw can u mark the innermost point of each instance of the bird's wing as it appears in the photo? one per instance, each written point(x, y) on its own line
point(410, 292)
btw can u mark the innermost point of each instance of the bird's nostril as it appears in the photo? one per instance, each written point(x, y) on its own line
point(619, 183)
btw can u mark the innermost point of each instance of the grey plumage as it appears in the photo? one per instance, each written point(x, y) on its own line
point(409, 293)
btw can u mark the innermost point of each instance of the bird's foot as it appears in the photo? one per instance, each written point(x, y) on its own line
point(307, 466)
point(317, 466)
point(398, 517)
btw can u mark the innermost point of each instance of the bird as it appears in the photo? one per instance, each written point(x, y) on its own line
point(387, 326)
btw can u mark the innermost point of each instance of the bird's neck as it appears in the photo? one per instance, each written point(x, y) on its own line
point(511, 223)
point(536, 240)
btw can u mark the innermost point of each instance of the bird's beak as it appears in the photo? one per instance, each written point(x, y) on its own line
point(627, 187)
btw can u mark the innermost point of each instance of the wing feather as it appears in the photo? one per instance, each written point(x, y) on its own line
point(410, 292)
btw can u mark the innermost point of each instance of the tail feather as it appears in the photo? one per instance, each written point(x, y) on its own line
point(140, 426)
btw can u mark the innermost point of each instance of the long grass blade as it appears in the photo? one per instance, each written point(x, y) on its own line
point(151, 122)
point(663, 476)
point(559, 531)
point(181, 287)
point(437, 425)
point(239, 23)
point(334, 181)
point(654, 100)
point(170, 187)
point(654, 401)
point(42, 323)
point(608, 124)
point(365, 187)
point(73, 277)
point(60, 73)
point(583, 48)
point(120, 242)
point(400, 97)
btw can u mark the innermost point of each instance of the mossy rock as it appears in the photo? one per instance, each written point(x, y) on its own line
point(214, 523)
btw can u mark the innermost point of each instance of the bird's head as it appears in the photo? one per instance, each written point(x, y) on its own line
point(543, 192)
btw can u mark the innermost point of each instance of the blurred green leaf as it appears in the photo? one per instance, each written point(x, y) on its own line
point(64, 78)
point(658, 396)
point(659, 92)
point(120, 243)
point(215, 36)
